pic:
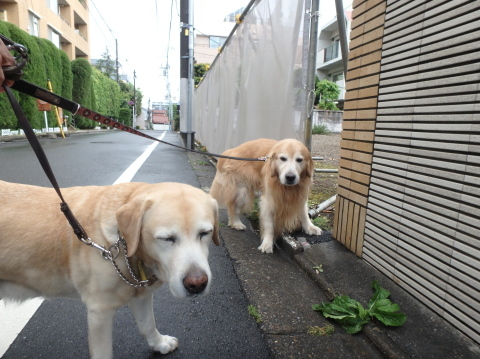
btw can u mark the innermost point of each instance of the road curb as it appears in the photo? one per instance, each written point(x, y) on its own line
point(376, 335)
point(50, 135)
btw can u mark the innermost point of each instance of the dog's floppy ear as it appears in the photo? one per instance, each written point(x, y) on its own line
point(216, 234)
point(308, 171)
point(129, 221)
point(273, 166)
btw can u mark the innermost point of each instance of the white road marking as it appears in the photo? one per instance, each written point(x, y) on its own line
point(135, 166)
point(17, 315)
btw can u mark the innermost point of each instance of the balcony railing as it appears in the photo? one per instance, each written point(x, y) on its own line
point(331, 52)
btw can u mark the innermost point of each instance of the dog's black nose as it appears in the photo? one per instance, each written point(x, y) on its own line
point(290, 179)
point(195, 282)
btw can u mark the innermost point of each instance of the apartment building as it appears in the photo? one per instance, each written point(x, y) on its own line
point(64, 22)
point(329, 55)
point(210, 39)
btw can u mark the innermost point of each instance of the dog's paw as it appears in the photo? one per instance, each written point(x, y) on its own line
point(313, 230)
point(266, 247)
point(166, 344)
point(239, 226)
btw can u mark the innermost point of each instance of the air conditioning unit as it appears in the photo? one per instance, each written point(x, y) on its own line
point(3, 14)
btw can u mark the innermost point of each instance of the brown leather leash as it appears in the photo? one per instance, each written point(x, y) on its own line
point(15, 73)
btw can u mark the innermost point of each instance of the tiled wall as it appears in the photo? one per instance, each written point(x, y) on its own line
point(359, 122)
point(409, 188)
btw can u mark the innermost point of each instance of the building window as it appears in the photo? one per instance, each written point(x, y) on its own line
point(217, 41)
point(53, 5)
point(337, 77)
point(332, 51)
point(54, 37)
point(33, 24)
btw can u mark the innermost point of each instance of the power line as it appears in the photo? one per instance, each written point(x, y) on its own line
point(100, 29)
point(108, 27)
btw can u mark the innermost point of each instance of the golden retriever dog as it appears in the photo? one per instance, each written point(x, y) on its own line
point(167, 228)
point(283, 180)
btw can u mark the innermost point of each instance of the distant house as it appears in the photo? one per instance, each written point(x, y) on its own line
point(329, 56)
point(160, 120)
point(209, 40)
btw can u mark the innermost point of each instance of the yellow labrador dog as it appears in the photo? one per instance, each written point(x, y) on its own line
point(167, 228)
point(284, 181)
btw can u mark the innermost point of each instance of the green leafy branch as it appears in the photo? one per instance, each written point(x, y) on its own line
point(351, 315)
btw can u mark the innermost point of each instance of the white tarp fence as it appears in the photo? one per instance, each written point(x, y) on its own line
point(254, 88)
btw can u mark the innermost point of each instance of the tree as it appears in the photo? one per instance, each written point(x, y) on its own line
point(176, 117)
point(199, 71)
point(107, 65)
point(127, 90)
point(326, 92)
point(125, 116)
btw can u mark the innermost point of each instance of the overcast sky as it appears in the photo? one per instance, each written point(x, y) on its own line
point(146, 29)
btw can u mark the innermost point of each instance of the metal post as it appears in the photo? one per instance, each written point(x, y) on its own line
point(186, 71)
point(342, 33)
point(116, 59)
point(190, 78)
point(311, 72)
point(134, 119)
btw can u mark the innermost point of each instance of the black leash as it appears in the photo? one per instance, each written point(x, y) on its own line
point(42, 158)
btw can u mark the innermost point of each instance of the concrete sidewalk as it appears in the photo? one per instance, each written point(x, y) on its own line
point(284, 285)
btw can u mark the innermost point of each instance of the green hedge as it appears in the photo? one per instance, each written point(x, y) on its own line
point(34, 73)
point(67, 79)
point(82, 90)
point(76, 80)
point(7, 117)
point(125, 116)
point(53, 67)
point(107, 93)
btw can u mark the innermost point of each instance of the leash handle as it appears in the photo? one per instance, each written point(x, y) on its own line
point(42, 158)
point(14, 72)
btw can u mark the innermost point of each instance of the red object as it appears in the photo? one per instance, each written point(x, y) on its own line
point(160, 117)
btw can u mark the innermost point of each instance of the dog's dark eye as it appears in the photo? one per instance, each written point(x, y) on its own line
point(299, 160)
point(283, 158)
point(170, 239)
point(204, 233)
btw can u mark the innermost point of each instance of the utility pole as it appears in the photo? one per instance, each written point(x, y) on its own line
point(186, 73)
point(134, 119)
point(311, 72)
point(116, 57)
point(342, 33)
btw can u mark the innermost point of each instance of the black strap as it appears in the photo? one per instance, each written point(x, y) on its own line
point(42, 158)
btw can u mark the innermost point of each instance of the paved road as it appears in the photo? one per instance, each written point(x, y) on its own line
point(216, 326)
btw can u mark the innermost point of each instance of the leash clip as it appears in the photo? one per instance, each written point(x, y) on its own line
point(14, 72)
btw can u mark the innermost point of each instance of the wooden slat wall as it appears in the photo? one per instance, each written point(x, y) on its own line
point(359, 122)
point(423, 212)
